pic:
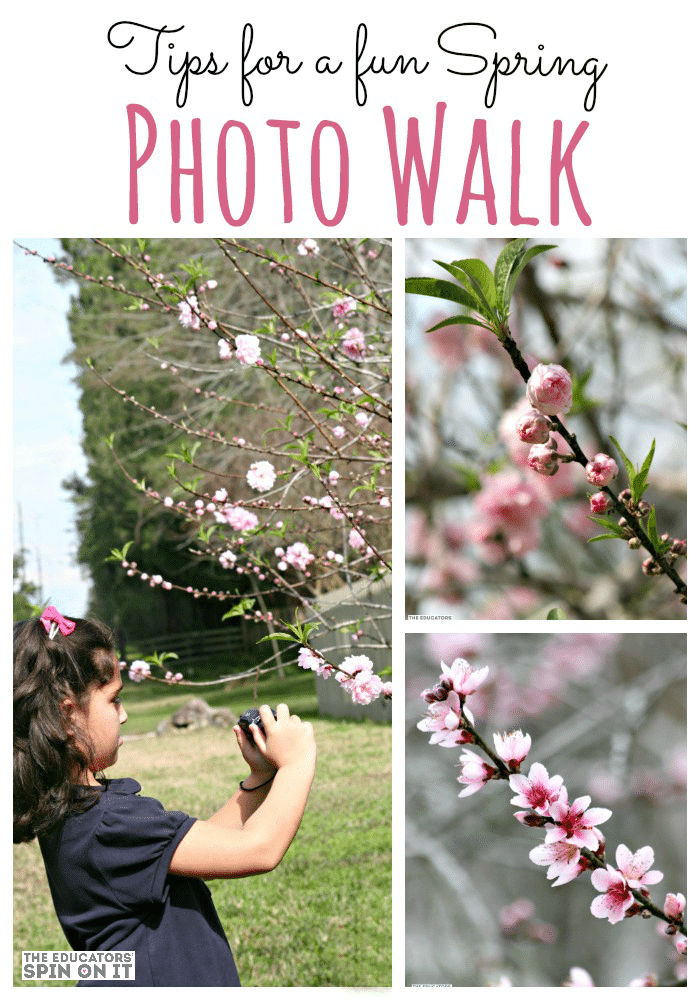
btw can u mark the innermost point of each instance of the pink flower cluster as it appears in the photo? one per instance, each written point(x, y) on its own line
point(616, 901)
point(188, 313)
point(341, 307)
point(139, 671)
point(352, 344)
point(355, 675)
point(237, 518)
point(446, 707)
point(247, 349)
point(308, 660)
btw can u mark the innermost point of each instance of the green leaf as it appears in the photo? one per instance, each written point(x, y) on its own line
point(646, 464)
point(285, 636)
point(599, 538)
point(607, 523)
point(509, 266)
point(651, 528)
point(245, 604)
point(440, 289)
point(556, 614)
point(453, 320)
point(475, 274)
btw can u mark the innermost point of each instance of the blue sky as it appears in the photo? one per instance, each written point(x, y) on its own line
point(47, 428)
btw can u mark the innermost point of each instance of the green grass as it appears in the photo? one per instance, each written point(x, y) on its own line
point(148, 703)
point(323, 917)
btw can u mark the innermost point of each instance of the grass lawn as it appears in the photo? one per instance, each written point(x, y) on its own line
point(323, 918)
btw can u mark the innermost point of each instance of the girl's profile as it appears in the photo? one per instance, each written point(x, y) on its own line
point(125, 873)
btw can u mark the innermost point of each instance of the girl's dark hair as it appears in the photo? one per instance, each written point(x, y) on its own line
point(47, 758)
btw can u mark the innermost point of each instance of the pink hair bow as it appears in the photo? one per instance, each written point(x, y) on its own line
point(54, 622)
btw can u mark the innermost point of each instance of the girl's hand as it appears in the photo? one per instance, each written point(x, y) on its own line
point(259, 765)
point(287, 739)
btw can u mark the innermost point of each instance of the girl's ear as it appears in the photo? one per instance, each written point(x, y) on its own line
point(69, 709)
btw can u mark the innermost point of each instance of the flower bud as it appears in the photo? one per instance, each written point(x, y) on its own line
point(601, 470)
point(543, 458)
point(674, 905)
point(549, 389)
point(533, 428)
point(600, 503)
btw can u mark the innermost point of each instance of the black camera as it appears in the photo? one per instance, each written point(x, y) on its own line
point(250, 717)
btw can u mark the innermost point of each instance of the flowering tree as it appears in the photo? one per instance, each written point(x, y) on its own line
point(594, 714)
point(268, 386)
point(499, 517)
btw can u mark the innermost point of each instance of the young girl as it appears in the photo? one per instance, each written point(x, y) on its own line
point(125, 873)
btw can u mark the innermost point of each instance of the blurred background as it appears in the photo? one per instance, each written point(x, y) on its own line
point(607, 713)
point(613, 312)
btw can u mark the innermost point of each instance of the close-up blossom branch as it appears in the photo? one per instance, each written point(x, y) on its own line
point(573, 848)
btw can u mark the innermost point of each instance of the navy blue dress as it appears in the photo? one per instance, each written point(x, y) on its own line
point(108, 873)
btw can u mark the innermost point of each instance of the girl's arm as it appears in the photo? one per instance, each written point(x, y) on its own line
point(212, 850)
point(242, 804)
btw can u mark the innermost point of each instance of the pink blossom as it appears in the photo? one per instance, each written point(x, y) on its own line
point(338, 431)
point(635, 866)
point(600, 503)
point(355, 539)
point(443, 718)
point(211, 283)
point(616, 898)
point(549, 389)
point(238, 518)
point(261, 476)
point(601, 470)
point(357, 661)
point(309, 660)
point(462, 678)
point(563, 861)
point(227, 559)
point(362, 418)
point(139, 671)
point(387, 689)
point(508, 515)
point(188, 317)
point(221, 495)
point(308, 248)
point(674, 905)
point(575, 823)
point(167, 501)
point(681, 944)
point(475, 773)
point(579, 977)
point(543, 458)
point(537, 791)
point(247, 349)
point(533, 427)
point(353, 344)
point(364, 686)
point(341, 307)
point(225, 349)
point(298, 555)
point(333, 477)
point(513, 747)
